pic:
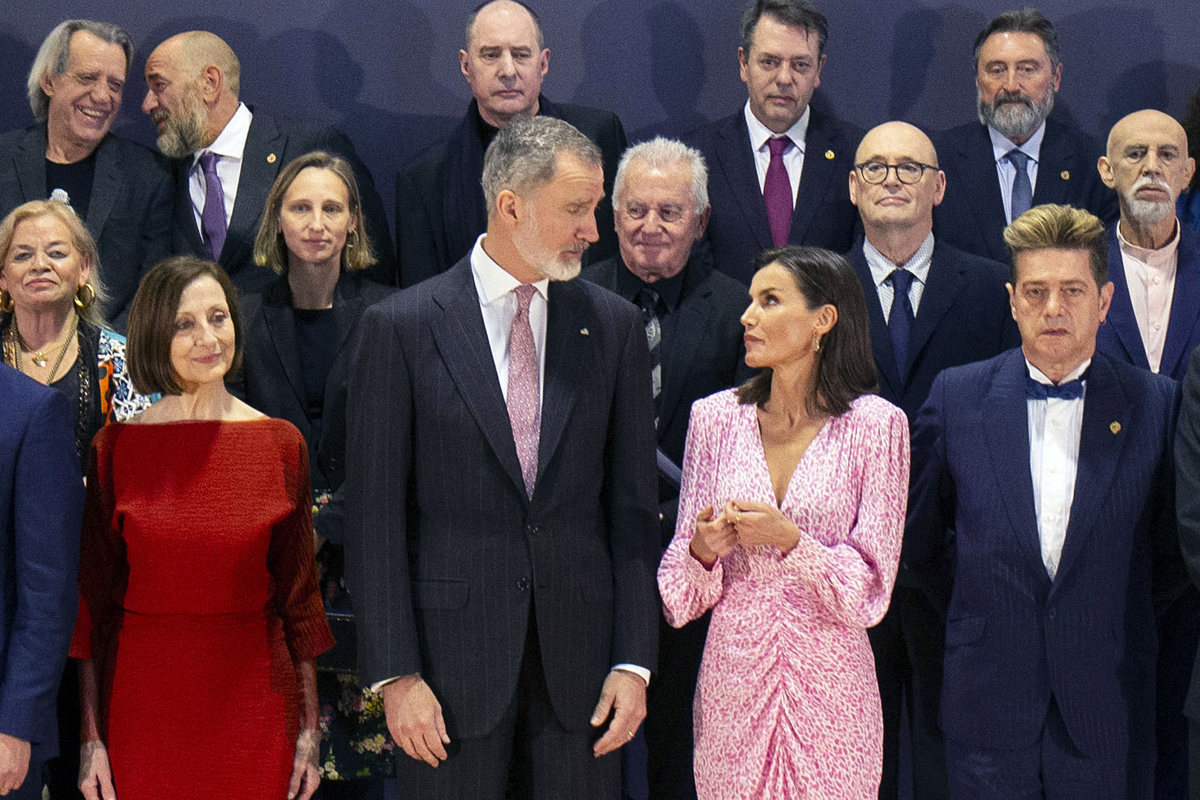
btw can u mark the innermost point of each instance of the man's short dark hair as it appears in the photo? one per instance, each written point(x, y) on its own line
point(1022, 20)
point(793, 13)
point(152, 321)
point(1051, 227)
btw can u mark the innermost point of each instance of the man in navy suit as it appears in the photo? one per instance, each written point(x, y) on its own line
point(1015, 156)
point(227, 155)
point(1045, 478)
point(955, 311)
point(121, 190)
point(501, 533)
point(693, 325)
point(1154, 323)
point(440, 209)
point(41, 506)
point(777, 167)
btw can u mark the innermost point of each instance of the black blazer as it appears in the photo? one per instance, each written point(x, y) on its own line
point(272, 380)
point(270, 145)
point(445, 552)
point(738, 230)
point(129, 215)
point(971, 215)
point(440, 210)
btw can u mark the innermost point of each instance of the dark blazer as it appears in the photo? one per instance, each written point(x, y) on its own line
point(707, 354)
point(129, 214)
point(1119, 336)
point(1187, 452)
point(270, 145)
point(440, 209)
point(1014, 637)
point(41, 508)
point(445, 552)
point(971, 216)
point(738, 229)
point(271, 378)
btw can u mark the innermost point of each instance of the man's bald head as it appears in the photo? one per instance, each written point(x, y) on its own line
point(1147, 163)
point(192, 82)
point(195, 50)
point(891, 203)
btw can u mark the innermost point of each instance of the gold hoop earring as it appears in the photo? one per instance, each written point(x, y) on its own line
point(350, 240)
point(6, 302)
point(85, 295)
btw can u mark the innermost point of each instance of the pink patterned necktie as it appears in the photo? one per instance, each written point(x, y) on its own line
point(524, 410)
point(777, 192)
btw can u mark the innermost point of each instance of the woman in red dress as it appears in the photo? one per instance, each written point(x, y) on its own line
point(197, 569)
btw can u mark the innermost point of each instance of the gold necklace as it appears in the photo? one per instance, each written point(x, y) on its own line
point(40, 359)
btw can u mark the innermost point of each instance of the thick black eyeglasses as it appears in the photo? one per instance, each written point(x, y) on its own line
point(908, 172)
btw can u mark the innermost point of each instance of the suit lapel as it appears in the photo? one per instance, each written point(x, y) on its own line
point(737, 162)
point(1185, 305)
point(281, 327)
point(978, 165)
point(944, 284)
point(815, 176)
point(881, 340)
point(1005, 422)
point(1120, 312)
point(185, 216)
point(261, 161)
point(30, 163)
point(568, 357)
point(106, 185)
point(461, 339)
point(1057, 167)
point(691, 329)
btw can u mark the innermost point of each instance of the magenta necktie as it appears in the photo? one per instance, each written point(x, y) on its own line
point(212, 217)
point(524, 410)
point(777, 191)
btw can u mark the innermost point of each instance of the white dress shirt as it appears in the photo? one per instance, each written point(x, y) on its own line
point(1054, 431)
point(881, 268)
point(1150, 275)
point(1005, 171)
point(793, 157)
point(498, 302)
point(230, 144)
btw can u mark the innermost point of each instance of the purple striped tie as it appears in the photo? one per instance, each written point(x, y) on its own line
point(524, 408)
point(777, 192)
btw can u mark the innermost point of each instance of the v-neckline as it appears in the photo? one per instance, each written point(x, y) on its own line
point(766, 467)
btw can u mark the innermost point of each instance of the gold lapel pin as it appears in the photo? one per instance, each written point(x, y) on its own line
point(271, 158)
point(583, 331)
point(829, 155)
point(1115, 427)
point(1066, 176)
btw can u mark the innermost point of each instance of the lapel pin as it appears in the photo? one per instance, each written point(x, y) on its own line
point(271, 158)
point(583, 331)
point(1066, 176)
point(1115, 427)
point(829, 155)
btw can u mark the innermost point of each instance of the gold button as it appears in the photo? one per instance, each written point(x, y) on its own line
point(829, 155)
point(1065, 174)
point(271, 158)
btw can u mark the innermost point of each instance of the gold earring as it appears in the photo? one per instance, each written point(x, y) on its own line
point(6, 302)
point(85, 295)
point(816, 342)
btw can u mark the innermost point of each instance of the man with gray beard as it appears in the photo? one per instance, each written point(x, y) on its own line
point(227, 155)
point(1154, 323)
point(1015, 157)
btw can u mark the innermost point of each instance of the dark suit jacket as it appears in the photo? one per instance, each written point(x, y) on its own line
point(41, 507)
point(272, 380)
point(738, 230)
point(971, 216)
point(707, 355)
point(1014, 637)
point(1119, 336)
point(129, 215)
point(446, 553)
point(440, 209)
point(1187, 453)
point(270, 145)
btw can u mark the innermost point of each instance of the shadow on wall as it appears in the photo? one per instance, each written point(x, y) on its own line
point(677, 71)
point(14, 102)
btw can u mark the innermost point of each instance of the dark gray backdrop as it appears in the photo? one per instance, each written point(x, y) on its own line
point(387, 73)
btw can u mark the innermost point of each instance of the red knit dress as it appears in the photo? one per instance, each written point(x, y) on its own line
point(198, 573)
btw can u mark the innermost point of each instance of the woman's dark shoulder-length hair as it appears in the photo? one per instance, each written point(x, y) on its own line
point(845, 364)
point(152, 321)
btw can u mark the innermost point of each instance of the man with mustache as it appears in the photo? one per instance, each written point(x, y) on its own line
point(117, 187)
point(1154, 323)
point(778, 166)
point(227, 155)
point(1016, 157)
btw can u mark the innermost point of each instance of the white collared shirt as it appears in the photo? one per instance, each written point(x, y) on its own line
point(230, 144)
point(1150, 275)
point(881, 269)
point(1005, 171)
point(1054, 432)
point(793, 157)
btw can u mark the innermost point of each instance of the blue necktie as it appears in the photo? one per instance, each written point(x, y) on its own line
point(1070, 390)
point(900, 319)
point(1022, 189)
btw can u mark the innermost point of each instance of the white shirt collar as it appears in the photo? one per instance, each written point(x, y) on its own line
point(231, 141)
point(1001, 144)
point(1040, 376)
point(759, 133)
point(492, 281)
point(918, 265)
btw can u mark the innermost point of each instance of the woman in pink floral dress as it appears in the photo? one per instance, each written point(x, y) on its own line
point(790, 522)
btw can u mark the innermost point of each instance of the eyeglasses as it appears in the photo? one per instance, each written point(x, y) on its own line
point(907, 172)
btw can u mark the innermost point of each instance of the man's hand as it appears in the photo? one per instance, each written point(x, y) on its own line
point(624, 694)
point(14, 762)
point(414, 718)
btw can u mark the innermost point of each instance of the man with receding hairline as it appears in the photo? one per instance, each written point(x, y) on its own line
point(227, 155)
point(440, 209)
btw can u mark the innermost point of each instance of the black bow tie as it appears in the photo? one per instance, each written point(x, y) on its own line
point(1070, 390)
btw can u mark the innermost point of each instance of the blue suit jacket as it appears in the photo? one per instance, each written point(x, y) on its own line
point(41, 507)
point(738, 229)
point(971, 215)
point(1014, 637)
point(1119, 336)
point(446, 552)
